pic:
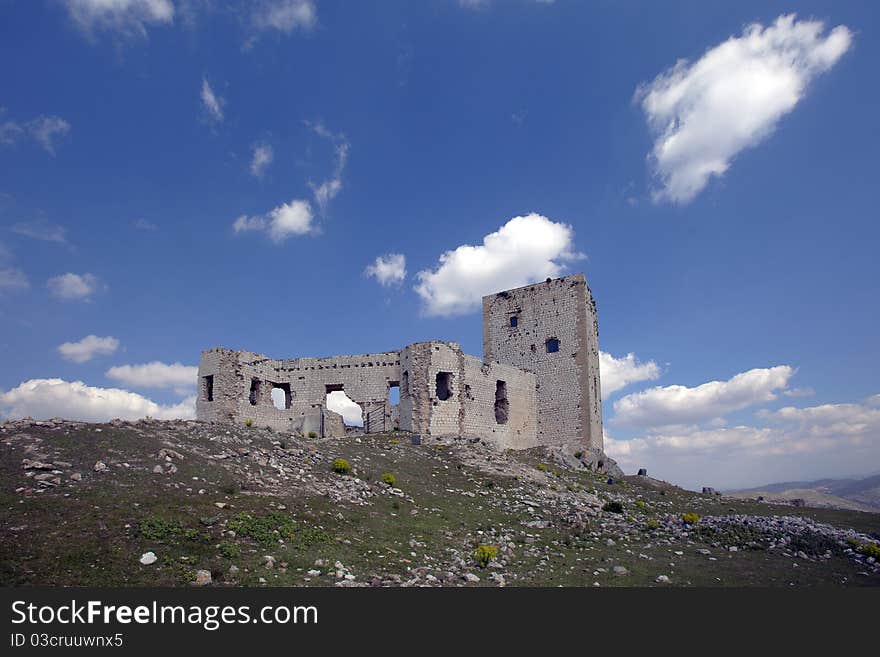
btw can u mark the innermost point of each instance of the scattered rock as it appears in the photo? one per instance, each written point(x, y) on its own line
point(100, 466)
point(148, 558)
point(203, 577)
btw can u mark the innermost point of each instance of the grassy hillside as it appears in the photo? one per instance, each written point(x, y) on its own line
point(82, 503)
point(857, 494)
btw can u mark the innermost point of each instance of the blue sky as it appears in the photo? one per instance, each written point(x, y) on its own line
point(723, 211)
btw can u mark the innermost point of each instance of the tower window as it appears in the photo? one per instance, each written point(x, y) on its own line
point(552, 345)
point(209, 387)
point(514, 320)
point(444, 385)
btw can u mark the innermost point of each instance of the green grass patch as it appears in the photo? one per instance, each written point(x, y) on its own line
point(265, 530)
point(157, 528)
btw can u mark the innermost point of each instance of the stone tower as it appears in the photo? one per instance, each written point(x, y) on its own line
point(551, 329)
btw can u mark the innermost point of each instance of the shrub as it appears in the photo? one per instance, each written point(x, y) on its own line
point(854, 543)
point(394, 441)
point(312, 434)
point(388, 478)
point(870, 550)
point(265, 530)
point(484, 554)
point(690, 518)
point(542, 467)
point(161, 529)
point(341, 466)
point(577, 455)
point(613, 507)
point(230, 550)
point(249, 422)
point(653, 524)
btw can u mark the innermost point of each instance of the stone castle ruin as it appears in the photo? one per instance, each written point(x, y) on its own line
point(537, 384)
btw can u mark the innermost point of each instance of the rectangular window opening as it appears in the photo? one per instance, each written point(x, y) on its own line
point(502, 406)
point(444, 385)
point(209, 387)
point(282, 397)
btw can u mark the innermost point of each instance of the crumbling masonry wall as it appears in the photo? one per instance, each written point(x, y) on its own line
point(551, 329)
point(236, 386)
point(242, 384)
point(470, 387)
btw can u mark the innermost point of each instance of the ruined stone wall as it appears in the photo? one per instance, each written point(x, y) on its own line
point(440, 369)
point(305, 381)
point(514, 425)
point(443, 392)
point(569, 398)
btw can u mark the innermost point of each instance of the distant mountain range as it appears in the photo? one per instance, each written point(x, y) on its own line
point(855, 494)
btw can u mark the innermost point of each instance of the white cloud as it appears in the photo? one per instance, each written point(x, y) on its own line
point(74, 287)
point(483, 4)
point(327, 190)
point(43, 129)
point(285, 15)
point(702, 114)
point(46, 128)
point(155, 375)
point(339, 402)
point(47, 398)
point(828, 419)
point(41, 230)
point(524, 250)
point(87, 348)
point(12, 280)
point(143, 224)
point(212, 103)
point(287, 220)
point(832, 440)
point(261, 159)
point(679, 405)
point(617, 373)
point(388, 269)
point(10, 131)
point(297, 216)
point(126, 17)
